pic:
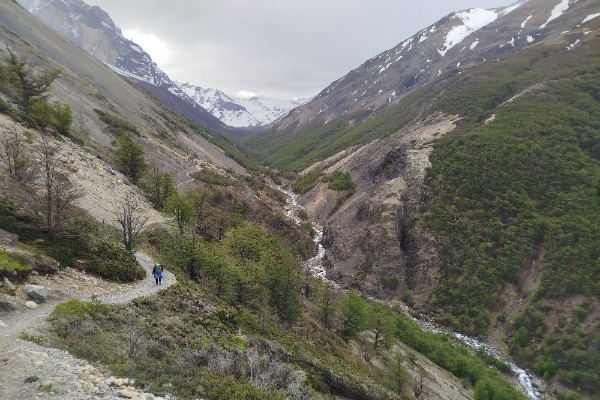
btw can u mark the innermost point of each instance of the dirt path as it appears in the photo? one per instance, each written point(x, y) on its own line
point(20, 360)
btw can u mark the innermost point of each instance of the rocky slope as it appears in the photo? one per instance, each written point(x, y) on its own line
point(88, 86)
point(457, 42)
point(388, 175)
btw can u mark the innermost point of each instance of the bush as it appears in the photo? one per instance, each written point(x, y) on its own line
point(339, 180)
point(116, 264)
point(306, 182)
point(13, 262)
point(212, 178)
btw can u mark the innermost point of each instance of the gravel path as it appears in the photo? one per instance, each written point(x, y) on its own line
point(29, 371)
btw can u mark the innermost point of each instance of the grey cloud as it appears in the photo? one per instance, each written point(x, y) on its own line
point(281, 48)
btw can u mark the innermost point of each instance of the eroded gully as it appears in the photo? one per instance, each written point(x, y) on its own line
point(315, 266)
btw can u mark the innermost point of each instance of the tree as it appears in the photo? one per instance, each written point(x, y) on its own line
point(353, 313)
point(397, 375)
point(30, 85)
point(58, 193)
point(16, 157)
point(382, 322)
point(62, 117)
point(131, 219)
point(159, 186)
point(181, 209)
point(39, 114)
point(328, 305)
point(130, 158)
point(282, 269)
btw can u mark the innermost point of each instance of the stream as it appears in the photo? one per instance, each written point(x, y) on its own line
point(315, 266)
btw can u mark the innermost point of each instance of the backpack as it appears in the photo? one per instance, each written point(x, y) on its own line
point(157, 269)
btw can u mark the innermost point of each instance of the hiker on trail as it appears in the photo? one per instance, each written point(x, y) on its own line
point(158, 273)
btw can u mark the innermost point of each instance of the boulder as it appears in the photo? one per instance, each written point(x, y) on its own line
point(31, 304)
point(127, 394)
point(8, 239)
point(9, 287)
point(45, 265)
point(8, 303)
point(36, 292)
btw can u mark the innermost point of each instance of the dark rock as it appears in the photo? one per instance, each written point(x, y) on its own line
point(45, 265)
point(8, 239)
point(31, 379)
point(36, 292)
point(9, 287)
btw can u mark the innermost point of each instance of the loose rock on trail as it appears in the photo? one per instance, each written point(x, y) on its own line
point(31, 371)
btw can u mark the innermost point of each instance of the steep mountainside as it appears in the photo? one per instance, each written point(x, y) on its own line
point(100, 98)
point(92, 29)
point(475, 196)
point(455, 43)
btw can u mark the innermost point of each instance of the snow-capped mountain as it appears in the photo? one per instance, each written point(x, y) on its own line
point(459, 41)
point(92, 29)
point(239, 111)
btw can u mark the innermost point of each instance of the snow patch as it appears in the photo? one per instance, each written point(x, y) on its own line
point(557, 12)
point(570, 47)
point(530, 39)
point(525, 22)
point(590, 17)
point(473, 20)
point(239, 111)
point(474, 44)
point(136, 48)
point(511, 8)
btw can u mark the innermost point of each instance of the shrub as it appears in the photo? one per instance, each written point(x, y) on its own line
point(212, 178)
point(115, 263)
point(306, 182)
point(340, 180)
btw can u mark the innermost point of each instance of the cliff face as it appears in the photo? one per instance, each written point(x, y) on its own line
point(371, 239)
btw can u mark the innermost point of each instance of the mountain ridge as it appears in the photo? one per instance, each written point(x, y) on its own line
point(456, 42)
point(92, 29)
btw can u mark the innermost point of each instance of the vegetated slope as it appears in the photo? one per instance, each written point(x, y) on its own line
point(236, 327)
point(501, 237)
point(514, 208)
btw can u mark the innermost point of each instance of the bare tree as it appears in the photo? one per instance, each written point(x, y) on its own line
point(131, 219)
point(419, 385)
point(16, 157)
point(57, 194)
point(49, 175)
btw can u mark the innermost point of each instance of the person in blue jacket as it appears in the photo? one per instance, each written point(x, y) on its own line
point(158, 273)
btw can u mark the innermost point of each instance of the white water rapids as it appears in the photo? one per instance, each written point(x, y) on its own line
point(315, 266)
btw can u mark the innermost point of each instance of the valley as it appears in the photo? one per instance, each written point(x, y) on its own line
point(425, 227)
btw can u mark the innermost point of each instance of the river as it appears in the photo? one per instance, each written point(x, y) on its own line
point(315, 266)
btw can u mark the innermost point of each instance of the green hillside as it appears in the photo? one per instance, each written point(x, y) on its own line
point(504, 193)
point(524, 189)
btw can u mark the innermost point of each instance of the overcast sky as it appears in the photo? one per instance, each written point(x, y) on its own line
point(275, 48)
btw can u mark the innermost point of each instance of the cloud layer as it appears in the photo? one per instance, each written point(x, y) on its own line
point(283, 48)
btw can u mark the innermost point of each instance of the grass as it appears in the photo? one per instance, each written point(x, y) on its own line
point(11, 261)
